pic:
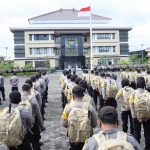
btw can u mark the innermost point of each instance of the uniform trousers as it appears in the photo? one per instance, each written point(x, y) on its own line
point(2, 89)
point(110, 102)
point(14, 88)
point(95, 96)
point(24, 146)
point(137, 131)
point(77, 146)
point(125, 115)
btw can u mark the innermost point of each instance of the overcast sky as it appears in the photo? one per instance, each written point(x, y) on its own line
point(134, 13)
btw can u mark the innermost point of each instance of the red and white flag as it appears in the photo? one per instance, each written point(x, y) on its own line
point(84, 11)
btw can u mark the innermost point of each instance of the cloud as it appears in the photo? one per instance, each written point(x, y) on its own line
point(123, 12)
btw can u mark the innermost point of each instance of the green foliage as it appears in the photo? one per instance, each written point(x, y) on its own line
point(20, 74)
point(123, 62)
point(28, 65)
point(47, 63)
point(133, 59)
point(101, 58)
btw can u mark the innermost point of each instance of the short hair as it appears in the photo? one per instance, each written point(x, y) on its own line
point(83, 85)
point(96, 72)
point(140, 82)
point(102, 74)
point(108, 115)
point(33, 79)
point(130, 69)
point(138, 71)
point(15, 97)
point(0, 73)
point(86, 71)
point(125, 82)
point(92, 71)
point(26, 87)
point(107, 75)
point(68, 76)
point(148, 71)
point(77, 91)
point(77, 80)
point(143, 69)
point(67, 72)
point(37, 76)
point(123, 69)
point(73, 78)
point(14, 73)
point(29, 82)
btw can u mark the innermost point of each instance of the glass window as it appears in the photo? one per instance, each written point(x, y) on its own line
point(85, 39)
point(58, 39)
point(30, 37)
point(41, 37)
point(85, 51)
point(31, 51)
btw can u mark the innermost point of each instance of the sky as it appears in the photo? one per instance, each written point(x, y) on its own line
point(133, 13)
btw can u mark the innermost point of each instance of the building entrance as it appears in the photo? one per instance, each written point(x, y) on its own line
point(76, 64)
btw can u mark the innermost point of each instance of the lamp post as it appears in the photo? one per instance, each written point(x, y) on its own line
point(6, 53)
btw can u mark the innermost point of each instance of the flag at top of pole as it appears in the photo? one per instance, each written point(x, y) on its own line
point(84, 11)
point(87, 12)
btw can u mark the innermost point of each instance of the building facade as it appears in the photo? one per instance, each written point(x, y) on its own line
point(64, 38)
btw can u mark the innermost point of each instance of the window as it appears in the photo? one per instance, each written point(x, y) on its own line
point(58, 39)
point(51, 37)
point(39, 64)
point(85, 51)
point(85, 39)
point(103, 36)
point(31, 51)
point(45, 50)
point(30, 37)
point(58, 52)
point(41, 37)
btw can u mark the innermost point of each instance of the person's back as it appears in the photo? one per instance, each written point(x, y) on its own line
point(140, 106)
point(108, 122)
point(89, 119)
point(14, 80)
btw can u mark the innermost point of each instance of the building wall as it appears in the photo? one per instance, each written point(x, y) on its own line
point(20, 63)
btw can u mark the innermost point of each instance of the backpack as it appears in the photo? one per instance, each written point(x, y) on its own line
point(11, 129)
point(105, 143)
point(27, 104)
point(131, 77)
point(87, 98)
point(126, 96)
point(123, 75)
point(148, 80)
point(142, 104)
point(79, 123)
point(111, 89)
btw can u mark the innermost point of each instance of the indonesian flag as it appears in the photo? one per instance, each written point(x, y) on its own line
point(84, 11)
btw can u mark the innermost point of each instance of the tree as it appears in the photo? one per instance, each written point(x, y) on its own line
point(123, 62)
point(133, 58)
point(101, 58)
point(28, 65)
point(47, 63)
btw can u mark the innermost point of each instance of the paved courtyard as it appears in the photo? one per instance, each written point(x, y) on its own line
point(54, 137)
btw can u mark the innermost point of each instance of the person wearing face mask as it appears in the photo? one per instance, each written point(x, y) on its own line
point(109, 134)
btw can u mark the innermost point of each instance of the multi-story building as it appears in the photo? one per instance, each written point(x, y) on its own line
point(64, 38)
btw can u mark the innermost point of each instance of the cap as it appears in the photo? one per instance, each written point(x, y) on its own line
point(108, 112)
point(77, 90)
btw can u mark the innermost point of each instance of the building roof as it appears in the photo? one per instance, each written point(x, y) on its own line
point(67, 27)
point(147, 49)
point(66, 14)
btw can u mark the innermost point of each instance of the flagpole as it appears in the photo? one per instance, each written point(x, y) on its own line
point(91, 38)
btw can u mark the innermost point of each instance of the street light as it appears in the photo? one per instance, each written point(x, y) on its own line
point(6, 51)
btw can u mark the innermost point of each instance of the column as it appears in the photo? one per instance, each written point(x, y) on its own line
point(33, 64)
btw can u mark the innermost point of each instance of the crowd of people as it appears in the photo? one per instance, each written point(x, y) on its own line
point(22, 122)
point(96, 92)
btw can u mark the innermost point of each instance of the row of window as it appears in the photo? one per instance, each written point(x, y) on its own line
point(37, 37)
point(41, 51)
point(103, 36)
point(101, 49)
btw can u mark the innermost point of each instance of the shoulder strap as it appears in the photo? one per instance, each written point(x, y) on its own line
point(122, 136)
point(29, 98)
point(101, 137)
point(73, 105)
point(86, 105)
